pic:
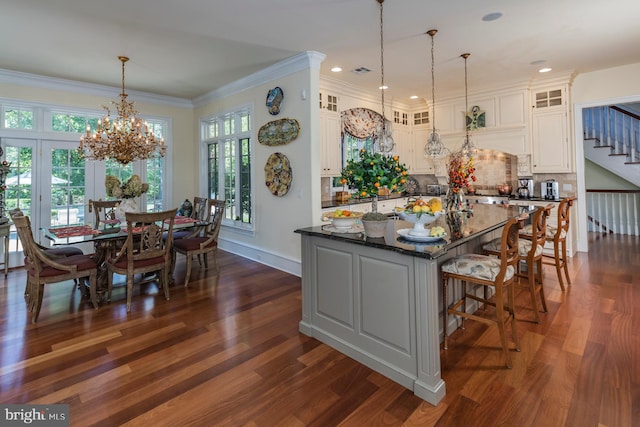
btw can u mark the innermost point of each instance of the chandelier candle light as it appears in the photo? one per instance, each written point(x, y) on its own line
point(124, 139)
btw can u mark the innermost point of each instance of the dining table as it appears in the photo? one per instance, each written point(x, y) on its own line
point(107, 239)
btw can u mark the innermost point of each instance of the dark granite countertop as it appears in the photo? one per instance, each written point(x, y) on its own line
point(460, 228)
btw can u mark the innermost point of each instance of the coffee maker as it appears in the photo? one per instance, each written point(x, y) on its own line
point(549, 190)
point(525, 188)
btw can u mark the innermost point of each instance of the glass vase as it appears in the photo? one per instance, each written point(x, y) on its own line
point(455, 200)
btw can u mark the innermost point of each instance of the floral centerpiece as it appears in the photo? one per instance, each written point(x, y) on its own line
point(461, 177)
point(133, 187)
point(372, 172)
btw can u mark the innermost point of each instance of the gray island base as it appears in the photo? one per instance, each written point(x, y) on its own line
point(379, 300)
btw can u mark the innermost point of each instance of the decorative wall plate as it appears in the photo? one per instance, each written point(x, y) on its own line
point(278, 132)
point(274, 99)
point(278, 174)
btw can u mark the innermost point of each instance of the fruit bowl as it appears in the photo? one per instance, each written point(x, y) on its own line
point(343, 219)
point(419, 222)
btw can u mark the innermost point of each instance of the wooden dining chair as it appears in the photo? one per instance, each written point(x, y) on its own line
point(42, 270)
point(53, 253)
point(103, 210)
point(204, 244)
point(145, 250)
point(530, 247)
point(489, 271)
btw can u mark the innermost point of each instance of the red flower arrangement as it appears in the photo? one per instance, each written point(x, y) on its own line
point(461, 171)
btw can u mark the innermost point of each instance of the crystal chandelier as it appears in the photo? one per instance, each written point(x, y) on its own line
point(468, 148)
point(434, 147)
point(384, 141)
point(124, 139)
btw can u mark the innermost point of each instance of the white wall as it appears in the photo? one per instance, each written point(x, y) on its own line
point(276, 218)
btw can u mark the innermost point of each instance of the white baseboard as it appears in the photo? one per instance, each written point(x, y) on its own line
point(276, 261)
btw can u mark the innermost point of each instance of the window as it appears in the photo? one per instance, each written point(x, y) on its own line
point(228, 140)
point(64, 122)
point(17, 118)
point(351, 147)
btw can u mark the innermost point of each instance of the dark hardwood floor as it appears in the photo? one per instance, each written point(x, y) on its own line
point(226, 351)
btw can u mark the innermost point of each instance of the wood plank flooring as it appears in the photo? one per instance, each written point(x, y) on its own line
point(227, 352)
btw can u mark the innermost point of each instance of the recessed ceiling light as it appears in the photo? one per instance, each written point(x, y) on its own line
point(385, 87)
point(544, 70)
point(336, 69)
point(492, 16)
point(413, 97)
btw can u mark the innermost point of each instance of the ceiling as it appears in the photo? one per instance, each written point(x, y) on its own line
point(188, 48)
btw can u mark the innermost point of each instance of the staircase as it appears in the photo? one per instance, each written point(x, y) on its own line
point(612, 140)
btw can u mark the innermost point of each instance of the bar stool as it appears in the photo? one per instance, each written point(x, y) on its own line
point(530, 247)
point(558, 235)
point(487, 271)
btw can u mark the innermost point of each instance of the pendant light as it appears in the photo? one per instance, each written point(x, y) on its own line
point(433, 148)
point(468, 148)
point(384, 141)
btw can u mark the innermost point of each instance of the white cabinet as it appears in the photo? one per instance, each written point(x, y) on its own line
point(331, 146)
point(550, 142)
point(551, 150)
point(403, 148)
point(421, 164)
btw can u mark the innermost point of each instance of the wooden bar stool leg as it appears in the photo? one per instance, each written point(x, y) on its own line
point(514, 323)
point(500, 321)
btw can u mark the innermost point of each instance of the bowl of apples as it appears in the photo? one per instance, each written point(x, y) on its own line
point(343, 219)
point(420, 212)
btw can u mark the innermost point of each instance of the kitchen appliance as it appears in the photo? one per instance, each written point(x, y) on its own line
point(525, 188)
point(549, 190)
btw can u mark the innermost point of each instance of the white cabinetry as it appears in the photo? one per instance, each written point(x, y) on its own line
point(421, 164)
point(331, 146)
point(551, 151)
point(330, 135)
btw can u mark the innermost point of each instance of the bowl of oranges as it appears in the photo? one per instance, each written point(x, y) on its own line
point(420, 212)
point(343, 219)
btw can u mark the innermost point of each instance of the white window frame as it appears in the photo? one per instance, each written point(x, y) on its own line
point(237, 136)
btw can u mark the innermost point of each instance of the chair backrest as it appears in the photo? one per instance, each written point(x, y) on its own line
point(199, 211)
point(564, 210)
point(539, 226)
point(29, 245)
point(509, 255)
point(103, 210)
point(216, 213)
point(145, 235)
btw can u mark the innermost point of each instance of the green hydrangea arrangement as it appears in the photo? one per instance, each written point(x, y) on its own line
point(134, 187)
point(373, 171)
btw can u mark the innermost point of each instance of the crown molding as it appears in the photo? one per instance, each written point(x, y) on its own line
point(301, 61)
point(53, 83)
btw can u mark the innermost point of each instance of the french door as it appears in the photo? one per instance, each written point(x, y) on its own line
point(49, 182)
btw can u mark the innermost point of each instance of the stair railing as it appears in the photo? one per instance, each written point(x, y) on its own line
point(614, 211)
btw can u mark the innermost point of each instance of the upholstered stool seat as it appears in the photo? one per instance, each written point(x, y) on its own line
point(478, 266)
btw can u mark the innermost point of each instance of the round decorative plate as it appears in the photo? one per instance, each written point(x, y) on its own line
point(278, 132)
point(278, 174)
point(411, 185)
point(274, 98)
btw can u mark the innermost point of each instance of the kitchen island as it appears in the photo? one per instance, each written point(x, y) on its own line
point(379, 300)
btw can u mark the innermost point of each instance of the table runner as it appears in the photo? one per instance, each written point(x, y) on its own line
point(73, 231)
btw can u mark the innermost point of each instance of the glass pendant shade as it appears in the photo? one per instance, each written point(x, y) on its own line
point(434, 147)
